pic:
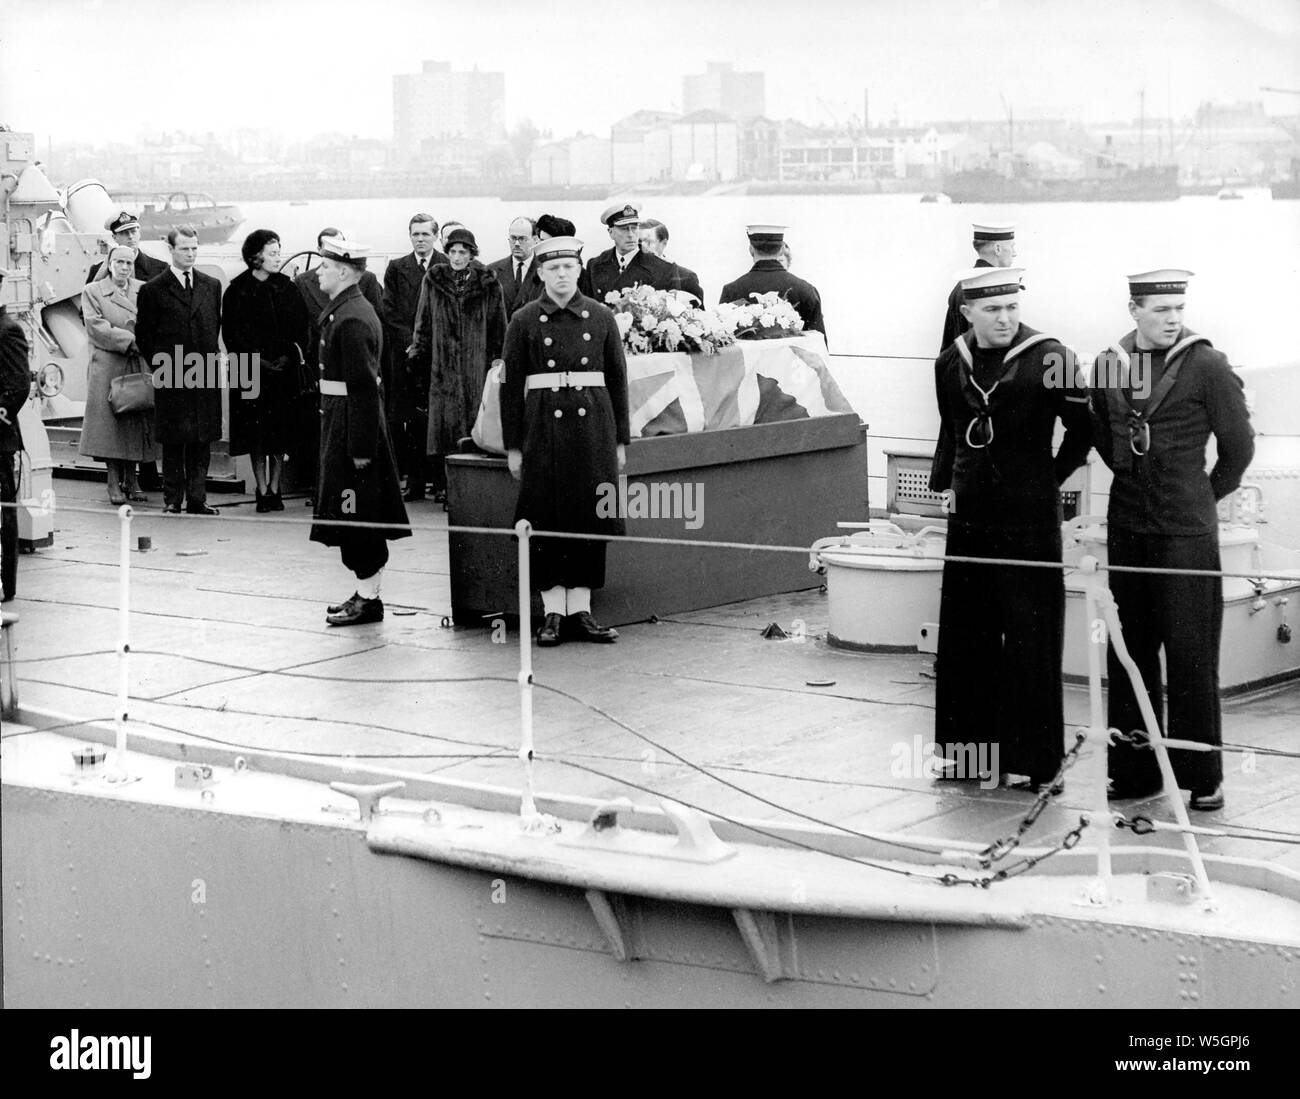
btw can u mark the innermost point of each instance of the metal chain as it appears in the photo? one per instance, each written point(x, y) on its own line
point(1000, 849)
point(1021, 866)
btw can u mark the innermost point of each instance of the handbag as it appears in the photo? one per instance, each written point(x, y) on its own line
point(133, 392)
point(487, 433)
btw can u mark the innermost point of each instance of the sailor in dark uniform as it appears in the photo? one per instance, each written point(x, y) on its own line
point(125, 227)
point(357, 478)
point(625, 265)
point(769, 273)
point(1158, 396)
point(995, 245)
point(1001, 388)
point(564, 417)
point(15, 387)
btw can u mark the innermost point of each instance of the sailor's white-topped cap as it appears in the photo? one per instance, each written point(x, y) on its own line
point(557, 248)
point(766, 234)
point(1161, 280)
point(990, 282)
point(987, 231)
point(345, 251)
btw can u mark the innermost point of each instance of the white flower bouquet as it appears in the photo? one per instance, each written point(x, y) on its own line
point(667, 320)
point(770, 317)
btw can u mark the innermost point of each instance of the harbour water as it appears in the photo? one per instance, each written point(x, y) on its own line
point(884, 265)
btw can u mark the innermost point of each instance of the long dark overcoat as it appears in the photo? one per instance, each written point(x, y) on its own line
point(353, 426)
point(568, 436)
point(460, 329)
point(169, 319)
point(267, 319)
point(644, 269)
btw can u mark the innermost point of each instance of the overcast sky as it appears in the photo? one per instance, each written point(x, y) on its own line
point(110, 69)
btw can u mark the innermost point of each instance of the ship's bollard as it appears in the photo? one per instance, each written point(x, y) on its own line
point(124, 514)
point(1101, 893)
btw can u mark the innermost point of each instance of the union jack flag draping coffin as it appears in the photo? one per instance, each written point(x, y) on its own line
point(671, 393)
point(748, 382)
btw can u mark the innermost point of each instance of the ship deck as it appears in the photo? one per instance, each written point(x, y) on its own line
point(230, 648)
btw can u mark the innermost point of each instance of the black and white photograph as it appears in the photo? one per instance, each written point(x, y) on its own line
point(733, 505)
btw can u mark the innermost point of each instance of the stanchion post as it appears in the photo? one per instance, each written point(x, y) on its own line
point(1102, 893)
point(124, 514)
point(1111, 613)
point(527, 805)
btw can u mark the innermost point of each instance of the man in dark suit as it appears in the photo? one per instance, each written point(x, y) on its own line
point(625, 265)
point(769, 274)
point(517, 273)
point(307, 451)
point(15, 387)
point(995, 245)
point(177, 329)
point(408, 403)
point(654, 239)
point(125, 228)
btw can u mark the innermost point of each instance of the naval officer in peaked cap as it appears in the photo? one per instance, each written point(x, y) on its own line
point(766, 243)
point(1001, 387)
point(125, 229)
point(995, 246)
point(357, 477)
point(1158, 395)
point(564, 418)
point(625, 265)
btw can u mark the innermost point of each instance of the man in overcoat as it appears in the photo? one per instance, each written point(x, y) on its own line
point(564, 418)
point(1158, 396)
point(995, 246)
point(408, 404)
point(1001, 389)
point(177, 327)
point(15, 388)
point(654, 239)
point(625, 265)
point(517, 273)
point(769, 274)
point(358, 474)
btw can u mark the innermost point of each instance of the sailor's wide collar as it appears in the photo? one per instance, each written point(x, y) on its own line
point(1127, 345)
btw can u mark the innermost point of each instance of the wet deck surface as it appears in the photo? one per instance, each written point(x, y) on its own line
point(230, 646)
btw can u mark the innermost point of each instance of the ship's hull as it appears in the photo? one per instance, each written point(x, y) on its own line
point(989, 187)
point(214, 224)
point(115, 902)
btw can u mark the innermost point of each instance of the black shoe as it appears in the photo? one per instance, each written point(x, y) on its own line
point(263, 503)
point(339, 608)
point(551, 632)
point(411, 495)
point(274, 502)
point(583, 627)
point(1207, 801)
point(359, 612)
point(172, 509)
point(200, 509)
point(440, 497)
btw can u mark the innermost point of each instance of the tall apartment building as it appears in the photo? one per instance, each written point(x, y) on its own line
point(721, 88)
point(437, 104)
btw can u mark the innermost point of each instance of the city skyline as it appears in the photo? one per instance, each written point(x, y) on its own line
point(919, 61)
